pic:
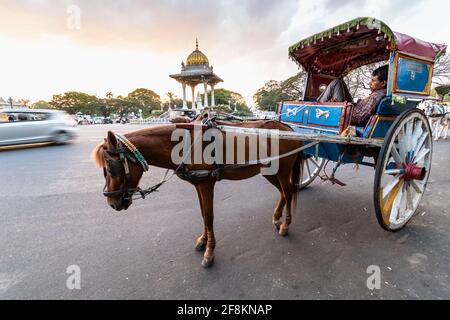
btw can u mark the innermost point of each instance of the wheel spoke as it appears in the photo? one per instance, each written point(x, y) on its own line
point(408, 136)
point(403, 206)
point(398, 160)
point(307, 168)
point(417, 133)
point(387, 205)
point(419, 188)
point(420, 143)
point(389, 186)
point(421, 155)
point(409, 198)
point(393, 171)
point(396, 204)
point(314, 162)
point(402, 146)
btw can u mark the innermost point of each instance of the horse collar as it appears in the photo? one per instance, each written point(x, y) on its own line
point(133, 150)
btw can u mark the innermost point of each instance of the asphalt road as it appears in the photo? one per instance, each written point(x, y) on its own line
point(53, 215)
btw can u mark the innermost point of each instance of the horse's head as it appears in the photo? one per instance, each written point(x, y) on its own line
point(121, 175)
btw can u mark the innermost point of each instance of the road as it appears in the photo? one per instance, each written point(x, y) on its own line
point(53, 216)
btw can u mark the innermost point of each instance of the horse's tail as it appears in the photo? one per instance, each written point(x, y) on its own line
point(296, 176)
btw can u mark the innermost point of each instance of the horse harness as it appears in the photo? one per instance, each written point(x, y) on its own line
point(118, 167)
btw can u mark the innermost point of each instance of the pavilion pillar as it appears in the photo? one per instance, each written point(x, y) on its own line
point(193, 97)
point(184, 96)
point(213, 102)
point(205, 85)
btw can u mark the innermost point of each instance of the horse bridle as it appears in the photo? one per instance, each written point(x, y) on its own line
point(117, 167)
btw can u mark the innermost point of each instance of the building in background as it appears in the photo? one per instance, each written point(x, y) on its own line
point(197, 71)
point(11, 104)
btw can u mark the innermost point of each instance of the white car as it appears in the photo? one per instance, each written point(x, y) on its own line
point(22, 126)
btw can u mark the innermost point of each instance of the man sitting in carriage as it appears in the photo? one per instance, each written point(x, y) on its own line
point(337, 91)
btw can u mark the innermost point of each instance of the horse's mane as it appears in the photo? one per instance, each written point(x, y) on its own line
point(97, 153)
point(97, 156)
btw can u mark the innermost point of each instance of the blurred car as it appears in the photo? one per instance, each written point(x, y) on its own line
point(22, 126)
point(98, 120)
point(175, 114)
point(107, 120)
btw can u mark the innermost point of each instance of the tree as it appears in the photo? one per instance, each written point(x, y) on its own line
point(146, 100)
point(74, 102)
point(441, 70)
point(358, 80)
point(124, 106)
point(109, 95)
point(24, 102)
point(170, 95)
point(228, 98)
point(41, 104)
point(268, 96)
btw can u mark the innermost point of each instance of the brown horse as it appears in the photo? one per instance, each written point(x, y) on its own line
point(156, 146)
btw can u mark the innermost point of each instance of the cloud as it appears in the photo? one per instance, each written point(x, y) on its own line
point(145, 41)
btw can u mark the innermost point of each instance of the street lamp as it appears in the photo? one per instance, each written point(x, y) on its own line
point(10, 100)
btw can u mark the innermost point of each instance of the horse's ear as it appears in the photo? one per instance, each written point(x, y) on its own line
point(112, 139)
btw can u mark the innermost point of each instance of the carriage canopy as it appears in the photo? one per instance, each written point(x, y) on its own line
point(361, 41)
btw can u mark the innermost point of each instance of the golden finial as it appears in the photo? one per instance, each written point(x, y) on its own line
point(196, 43)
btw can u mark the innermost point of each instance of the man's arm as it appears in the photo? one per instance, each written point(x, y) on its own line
point(364, 109)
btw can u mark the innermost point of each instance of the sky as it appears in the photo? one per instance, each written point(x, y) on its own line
point(95, 46)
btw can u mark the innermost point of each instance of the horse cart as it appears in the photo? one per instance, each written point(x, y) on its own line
point(397, 140)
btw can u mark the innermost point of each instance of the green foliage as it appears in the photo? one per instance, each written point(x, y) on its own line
point(229, 100)
point(41, 104)
point(147, 100)
point(268, 97)
point(74, 102)
point(156, 113)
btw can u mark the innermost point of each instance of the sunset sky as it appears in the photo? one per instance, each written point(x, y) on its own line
point(122, 45)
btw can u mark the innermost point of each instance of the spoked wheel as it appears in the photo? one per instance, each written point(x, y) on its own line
point(311, 170)
point(402, 170)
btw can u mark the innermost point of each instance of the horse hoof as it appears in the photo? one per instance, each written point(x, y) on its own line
point(207, 262)
point(200, 246)
point(277, 224)
point(284, 231)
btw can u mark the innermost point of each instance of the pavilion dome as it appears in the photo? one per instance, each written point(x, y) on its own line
point(197, 58)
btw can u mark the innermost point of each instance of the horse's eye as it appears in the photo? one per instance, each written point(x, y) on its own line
point(114, 168)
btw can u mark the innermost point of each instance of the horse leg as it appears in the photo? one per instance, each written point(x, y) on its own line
point(444, 129)
point(278, 212)
point(200, 244)
point(286, 187)
point(206, 190)
point(436, 130)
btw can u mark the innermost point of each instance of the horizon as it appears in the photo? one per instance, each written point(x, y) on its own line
point(51, 48)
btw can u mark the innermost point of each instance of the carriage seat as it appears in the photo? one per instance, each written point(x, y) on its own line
point(385, 115)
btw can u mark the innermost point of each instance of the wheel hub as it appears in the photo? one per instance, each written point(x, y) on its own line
point(413, 172)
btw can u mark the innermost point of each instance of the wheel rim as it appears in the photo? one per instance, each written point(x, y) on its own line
point(405, 171)
point(310, 170)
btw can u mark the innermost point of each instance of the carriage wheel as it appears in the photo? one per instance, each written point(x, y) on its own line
point(310, 170)
point(402, 170)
